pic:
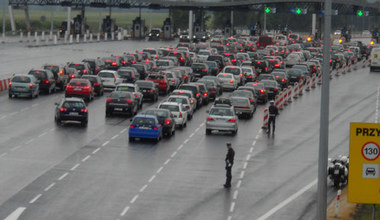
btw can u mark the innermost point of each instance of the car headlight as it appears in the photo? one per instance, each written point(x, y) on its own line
point(157, 35)
point(204, 37)
point(180, 36)
point(194, 36)
point(150, 35)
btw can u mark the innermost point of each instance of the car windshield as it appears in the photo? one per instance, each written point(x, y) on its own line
point(294, 72)
point(172, 108)
point(78, 83)
point(125, 73)
point(204, 53)
point(178, 100)
point(241, 93)
point(91, 79)
point(144, 84)
point(162, 63)
point(77, 66)
point(106, 75)
point(121, 94)
point(158, 113)
point(38, 74)
point(198, 65)
point(73, 104)
point(246, 70)
point(125, 88)
point(54, 69)
point(233, 70)
point(236, 101)
point(225, 76)
point(221, 112)
point(156, 77)
point(21, 79)
point(269, 83)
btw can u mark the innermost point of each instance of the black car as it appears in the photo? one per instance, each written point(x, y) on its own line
point(82, 67)
point(96, 65)
point(196, 93)
point(96, 82)
point(199, 69)
point(148, 89)
point(262, 66)
point(142, 69)
point(60, 75)
point(261, 93)
point(218, 59)
point(165, 118)
point(46, 79)
point(71, 109)
point(272, 88)
point(154, 34)
point(128, 74)
point(212, 88)
point(111, 63)
point(121, 101)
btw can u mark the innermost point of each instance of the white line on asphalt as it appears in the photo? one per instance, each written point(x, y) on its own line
point(75, 166)
point(197, 129)
point(134, 199)
point(42, 134)
point(173, 154)
point(160, 169)
point(105, 143)
point(52, 129)
point(187, 140)
point(248, 157)
point(238, 184)
point(13, 113)
point(191, 135)
point(35, 198)
point(229, 218)
point(143, 188)
point(63, 176)
point(15, 214)
point(114, 137)
point(96, 150)
point(377, 104)
point(232, 207)
point(242, 174)
point(287, 201)
point(24, 109)
point(180, 147)
point(122, 131)
point(202, 124)
point(49, 187)
point(86, 158)
point(3, 154)
point(257, 136)
point(261, 130)
point(254, 143)
point(34, 105)
point(15, 148)
point(167, 161)
point(235, 194)
point(251, 150)
point(152, 178)
point(245, 165)
point(125, 210)
point(2, 117)
point(30, 141)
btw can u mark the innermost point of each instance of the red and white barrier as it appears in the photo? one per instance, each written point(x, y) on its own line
point(295, 90)
point(356, 64)
point(313, 80)
point(331, 74)
point(337, 204)
point(289, 94)
point(364, 63)
point(344, 69)
point(266, 119)
point(337, 71)
point(349, 69)
point(369, 63)
point(285, 96)
point(4, 84)
point(308, 83)
point(320, 79)
point(300, 88)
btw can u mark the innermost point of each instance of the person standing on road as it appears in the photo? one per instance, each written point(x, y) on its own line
point(273, 112)
point(229, 162)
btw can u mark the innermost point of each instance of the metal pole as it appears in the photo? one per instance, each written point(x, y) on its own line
point(374, 212)
point(324, 118)
point(68, 20)
point(191, 25)
point(3, 35)
point(265, 22)
point(100, 22)
point(232, 23)
point(313, 23)
point(51, 23)
point(13, 24)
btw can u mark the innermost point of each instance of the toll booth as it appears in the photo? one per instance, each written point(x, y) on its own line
point(167, 29)
point(227, 30)
point(108, 25)
point(138, 28)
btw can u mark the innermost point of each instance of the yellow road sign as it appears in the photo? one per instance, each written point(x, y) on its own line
point(363, 172)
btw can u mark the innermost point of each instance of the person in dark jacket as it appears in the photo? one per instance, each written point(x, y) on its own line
point(229, 162)
point(273, 112)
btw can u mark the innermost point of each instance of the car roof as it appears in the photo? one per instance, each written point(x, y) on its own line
point(144, 116)
point(126, 84)
point(73, 99)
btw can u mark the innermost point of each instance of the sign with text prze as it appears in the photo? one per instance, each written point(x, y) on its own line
point(363, 172)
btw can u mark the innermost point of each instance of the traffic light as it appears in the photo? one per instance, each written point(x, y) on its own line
point(298, 11)
point(308, 39)
point(267, 10)
point(360, 13)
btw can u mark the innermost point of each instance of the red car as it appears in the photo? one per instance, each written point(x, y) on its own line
point(161, 81)
point(80, 88)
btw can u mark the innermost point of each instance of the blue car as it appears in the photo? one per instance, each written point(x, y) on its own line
point(145, 126)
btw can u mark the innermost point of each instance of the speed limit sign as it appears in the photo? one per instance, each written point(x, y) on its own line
point(370, 151)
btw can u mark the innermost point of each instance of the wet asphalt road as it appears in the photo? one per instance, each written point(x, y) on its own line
point(70, 172)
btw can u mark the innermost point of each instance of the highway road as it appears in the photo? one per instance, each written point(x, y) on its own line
point(69, 172)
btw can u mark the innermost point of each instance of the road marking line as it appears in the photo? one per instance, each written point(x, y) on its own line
point(86, 158)
point(260, 131)
point(30, 141)
point(2, 117)
point(251, 150)
point(229, 218)
point(35, 198)
point(15, 148)
point(15, 214)
point(13, 113)
point(42, 134)
point(114, 137)
point(242, 174)
point(187, 140)
point(143, 188)
point(125, 210)
point(3, 154)
point(105, 143)
point(245, 165)
point(180, 147)
point(173, 154)
point(167, 161)
point(160, 169)
point(34, 105)
point(197, 129)
point(257, 136)
point(49, 187)
point(96, 150)
point(235, 194)
point(152, 178)
point(75, 166)
point(122, 131)
point(52, 129)
point(202, 124)
point(248, 157)
point(254, 143)
point(232, 207)
point(63, 176)
point(287, 201)
point(191, 135)
point(24, 109)
point(238, 184)
point(134, 199)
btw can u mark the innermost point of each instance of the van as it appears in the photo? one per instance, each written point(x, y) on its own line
point(264, 41)
point(375, 59)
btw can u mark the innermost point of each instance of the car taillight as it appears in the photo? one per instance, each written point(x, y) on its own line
point(205, 94)
point(151, 90)
point(262, 91)
point(84, 71)
point(133, 62)
point(114, 64)
point(276, 65)
point(136, 96)
point(204, 70)
point(156, 56)
point(167, 122)
point(46, 81)
point(180, 115)
point(251, 100)
point(131, 126)
point(10, 83)
point(241, 75)
point(128, 101)
point(266, 68)
point(231, 81)
point(155, 128)
point(181, 59)
point(86, 87)
point(61, 72)
point(84, 110)
point(173, 80)
point(275, 89)
point(192, 101)
point(232, 120)
point(233, 60)
point(63, 109)
point(185, 77)
point(72, 76)
point(283, 80)
point(300, 77)
point(210, 119)
point(212, 90)
point(96, 84)
point(69, 87)
point(123, 62)
point(258, 62)
point(31, 85)
point(109, 99)
point(250, 76)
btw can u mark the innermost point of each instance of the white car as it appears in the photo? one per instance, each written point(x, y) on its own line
point(178, 110)
point(188, 94)
point(185, 101)
point(237, 73)
point(228, 81)
point(110, 78)
point(292, 59)
point(203, 55)
point(249, 73)
point(185, 49)
point(281, 40)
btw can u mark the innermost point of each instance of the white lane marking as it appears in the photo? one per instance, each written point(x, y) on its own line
point(180, 147)
point(152, 178)
point(197, 129)
point(105, 143)
point(143, 188)
point(15, 148)
point(229, 218)
point(75, 166)
point(257, 136)
point(287, 201)
point(15, 214)
point(134, 199)
point(125, 210)
point(167, 161)
point(52, 129)
point(114, 137)
point(377, 104)
point(24, 109)
point(49, 187)
point(248, 157)
point(35, 198)
point(34, 105)
point(173, 154)
point(86, 158)
point(232, 207)
point(42, 134)
point(160, 169)
point(122, 131)
point(238, 184)
point(63, 176)
point(13, 113)
point(245, 165)
point(2, 117)
point(30, 141)
point(251, 150)
point(242, 174)
point(96, 150)
point(202, 124)
point(191, 135)
point(187, 140)
point(261, 130)
point(3, 154)
point(235, 194)
point(254, 143)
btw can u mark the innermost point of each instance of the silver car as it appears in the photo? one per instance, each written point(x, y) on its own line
point(134, 88)
point(222, 117)
point(23, 85)
point(227, 81)
point(242, 106)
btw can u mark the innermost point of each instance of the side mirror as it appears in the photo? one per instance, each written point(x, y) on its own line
point(207, 111)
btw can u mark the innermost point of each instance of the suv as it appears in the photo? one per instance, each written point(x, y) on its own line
point(96, 65)
point(46, 79)
point(82, 67)
point(60, 74)
point(71, 109)
point(196, 93)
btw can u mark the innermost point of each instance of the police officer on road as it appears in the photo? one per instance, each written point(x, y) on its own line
point(229, 162)
point(273, 112)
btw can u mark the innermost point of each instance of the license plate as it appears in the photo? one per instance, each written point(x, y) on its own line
point(73, 113)
point(144, 128)
point(118, 109)
point(77, 89)
point(336, 171)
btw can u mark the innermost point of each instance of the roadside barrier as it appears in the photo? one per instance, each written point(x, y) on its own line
point(337, 71)
point(344, 69)
point(290, 94)
point(266, 119)
point(331, 76)
point(349, 69)
point(295, 90)
point(364, 63)
point(369, 63)
point(4, 84)
point(308, 83)
point(337, 204)
point(300, 88)
point(356, 64)
point(313, 80)
point(285, 96)
point(320, 79)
